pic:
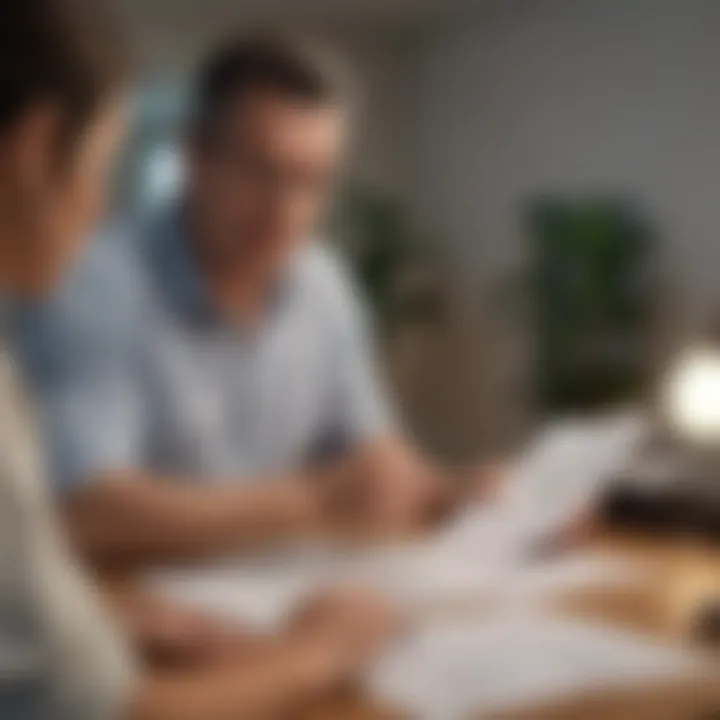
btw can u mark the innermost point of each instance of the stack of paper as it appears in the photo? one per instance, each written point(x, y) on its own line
point(457, 670)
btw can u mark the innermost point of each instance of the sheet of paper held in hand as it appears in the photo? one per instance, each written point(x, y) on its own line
point(483, 555)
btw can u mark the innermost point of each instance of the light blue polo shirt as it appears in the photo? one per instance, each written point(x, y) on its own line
point(133, 366)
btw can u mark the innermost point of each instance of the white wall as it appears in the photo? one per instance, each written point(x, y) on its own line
point(525, 96)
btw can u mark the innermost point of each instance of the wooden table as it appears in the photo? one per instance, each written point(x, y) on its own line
point(649, 609)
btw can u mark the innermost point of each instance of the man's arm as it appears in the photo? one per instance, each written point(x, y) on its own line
point(324, 647)
point(265, 688)
point(392, 487)
point(172, 635)
point(130, 519)
point(82, 354)
point(285, 677)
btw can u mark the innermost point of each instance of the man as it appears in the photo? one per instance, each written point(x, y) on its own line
point(61, 655)
point(207, 380)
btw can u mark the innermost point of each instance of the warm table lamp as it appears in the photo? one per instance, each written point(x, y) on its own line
point(673, 487)
point(691, 397)
point(672, 484)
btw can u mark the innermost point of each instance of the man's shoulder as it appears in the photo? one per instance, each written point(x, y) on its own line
point(330, 287)
point(326, 274)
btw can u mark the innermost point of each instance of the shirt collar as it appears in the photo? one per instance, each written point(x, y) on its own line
point(178, 268)
point(182, 278)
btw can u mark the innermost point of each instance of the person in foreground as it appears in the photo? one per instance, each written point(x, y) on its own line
point(63, 653)
point(207, 377)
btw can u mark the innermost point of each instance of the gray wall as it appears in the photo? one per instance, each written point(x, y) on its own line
point(519, 97)
point(532, 95)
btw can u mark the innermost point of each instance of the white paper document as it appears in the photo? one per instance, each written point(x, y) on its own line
point(488, 551)
point(453, 670)
point(484, 554)
point(262, 592)
point(417, 577)
point(558, 476)
point(415, 580)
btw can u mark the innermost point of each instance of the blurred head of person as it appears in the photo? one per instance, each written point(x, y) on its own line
point(61, 79)
point(268, 135)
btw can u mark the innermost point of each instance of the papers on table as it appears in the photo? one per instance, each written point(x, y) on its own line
point(416, 580)
point(505, 655)
point(452, 670)
point(488, 550)
point(428, 576)
point(262, 592)
point(263, 601)
point(485, 554)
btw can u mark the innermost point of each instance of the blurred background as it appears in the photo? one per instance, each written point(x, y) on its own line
point(533, 198)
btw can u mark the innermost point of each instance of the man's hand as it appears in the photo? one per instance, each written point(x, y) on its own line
point(387, 487)
point(382, 488)
point(343, 632)
point(483, 483)
point(170, 634)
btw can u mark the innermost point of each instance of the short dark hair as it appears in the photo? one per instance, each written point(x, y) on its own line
point(67, 51)
point(293, 66)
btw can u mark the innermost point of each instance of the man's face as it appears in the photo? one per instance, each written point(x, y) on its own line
point(261, 181)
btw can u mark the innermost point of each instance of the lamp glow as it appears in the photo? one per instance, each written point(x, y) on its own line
point(692, 395)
